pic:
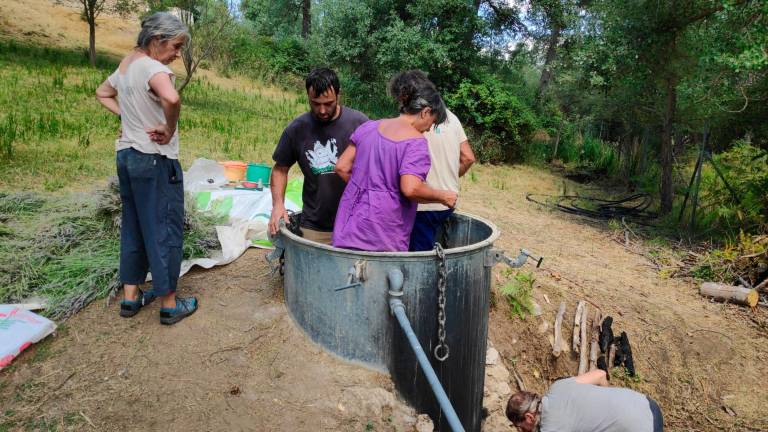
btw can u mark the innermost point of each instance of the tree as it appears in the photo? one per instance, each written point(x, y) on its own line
point(91, 10)
point(649, 51)
point(210, 24)
point(279, 18)
point(212, 27)
point(306, 18)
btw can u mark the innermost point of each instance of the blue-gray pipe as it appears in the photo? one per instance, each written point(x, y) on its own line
point(398, 308)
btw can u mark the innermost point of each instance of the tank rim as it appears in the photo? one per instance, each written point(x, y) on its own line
point(487, 242)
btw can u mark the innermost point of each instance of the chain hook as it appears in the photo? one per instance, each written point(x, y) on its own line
point(441, 350)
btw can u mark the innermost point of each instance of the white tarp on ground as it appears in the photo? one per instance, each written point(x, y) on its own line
point(19, 329)
point(247, 211)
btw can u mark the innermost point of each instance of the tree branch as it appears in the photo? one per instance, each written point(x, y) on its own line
point(706, 13)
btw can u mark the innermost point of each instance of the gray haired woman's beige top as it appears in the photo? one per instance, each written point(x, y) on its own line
point(140, 108)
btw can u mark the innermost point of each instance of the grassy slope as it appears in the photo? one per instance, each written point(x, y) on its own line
point(53, 133)
point(56, 138)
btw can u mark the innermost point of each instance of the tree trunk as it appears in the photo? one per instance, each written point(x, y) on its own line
point(306, 18)
point(190, 65)
point(728, 293)
point(546, 72)
point(92, 41)
point(666, 145)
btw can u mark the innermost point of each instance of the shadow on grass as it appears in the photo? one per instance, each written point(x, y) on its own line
point(30, 55)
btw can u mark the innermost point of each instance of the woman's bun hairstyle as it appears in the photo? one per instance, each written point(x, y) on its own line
point(413, 92)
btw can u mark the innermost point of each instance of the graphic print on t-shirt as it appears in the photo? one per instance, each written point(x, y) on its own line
point(322, 159)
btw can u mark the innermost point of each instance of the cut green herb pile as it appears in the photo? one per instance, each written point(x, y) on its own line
point(66, 248)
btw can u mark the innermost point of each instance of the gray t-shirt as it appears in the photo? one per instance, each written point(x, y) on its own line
point(572, 407)
point(140, 107)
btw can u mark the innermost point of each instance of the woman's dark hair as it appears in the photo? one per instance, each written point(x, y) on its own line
point(322, 79)
point(414, 92)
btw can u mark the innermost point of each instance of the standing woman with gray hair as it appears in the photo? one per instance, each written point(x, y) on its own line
point(141, 93)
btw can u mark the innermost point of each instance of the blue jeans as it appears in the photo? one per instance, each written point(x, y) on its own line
point(425, 229)
point(151, 235)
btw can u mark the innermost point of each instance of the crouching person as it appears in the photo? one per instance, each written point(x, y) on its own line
point(584, 403)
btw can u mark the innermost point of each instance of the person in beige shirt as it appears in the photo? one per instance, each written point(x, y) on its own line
point(451, 158)
point(142, 95)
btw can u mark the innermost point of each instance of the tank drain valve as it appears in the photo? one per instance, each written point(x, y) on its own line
point(494, 256)
point(528, 254)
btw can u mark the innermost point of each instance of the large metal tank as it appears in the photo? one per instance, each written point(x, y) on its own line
point(339, 297)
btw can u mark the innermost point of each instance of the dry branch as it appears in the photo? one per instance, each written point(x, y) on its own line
point(583, 353)
point(611, 356)
point(577, 325)
point(558, 330)
point(594, 349)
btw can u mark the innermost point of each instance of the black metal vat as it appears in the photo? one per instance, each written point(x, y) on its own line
point(339, 298)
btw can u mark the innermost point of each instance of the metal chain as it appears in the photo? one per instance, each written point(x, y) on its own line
point(441, 350)
point(446, 229)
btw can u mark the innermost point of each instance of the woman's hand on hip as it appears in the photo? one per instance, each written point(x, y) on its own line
point(160, 134)
point(449, 198)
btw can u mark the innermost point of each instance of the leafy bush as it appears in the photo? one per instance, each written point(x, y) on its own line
point(600, 155)
point(266, 57)
point(746, 257)
point(518, 292)
point(505, 121)
point(369, 98)
point(745, 167)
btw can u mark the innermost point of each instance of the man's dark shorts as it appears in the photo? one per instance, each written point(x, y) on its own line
point(658, 420)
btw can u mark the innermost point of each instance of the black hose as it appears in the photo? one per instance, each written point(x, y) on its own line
point(633, 207)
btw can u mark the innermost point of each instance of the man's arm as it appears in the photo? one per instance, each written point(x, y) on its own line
point(596, 377)
point(344, 164)
point(466, 157)
point(415, 189)
point(277, 184)
point(161, 84)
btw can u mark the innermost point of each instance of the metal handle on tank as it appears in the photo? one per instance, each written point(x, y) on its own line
point(275, 258)
point(396, 306)
point(355, 276)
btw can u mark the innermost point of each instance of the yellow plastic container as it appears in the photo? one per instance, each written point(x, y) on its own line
point(234, 171)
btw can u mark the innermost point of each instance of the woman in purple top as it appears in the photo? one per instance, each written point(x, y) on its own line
point(385, 166)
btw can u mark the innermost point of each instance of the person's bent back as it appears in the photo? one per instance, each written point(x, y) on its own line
point(584, 404)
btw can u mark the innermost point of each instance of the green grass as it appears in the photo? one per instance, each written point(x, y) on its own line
point(55, 135)
point(57, 140)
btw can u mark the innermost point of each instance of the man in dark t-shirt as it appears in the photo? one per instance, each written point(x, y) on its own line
point(315, 140)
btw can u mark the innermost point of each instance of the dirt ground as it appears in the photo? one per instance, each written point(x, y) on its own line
point(238, 364)
point(693, 356)
point(241, 364)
